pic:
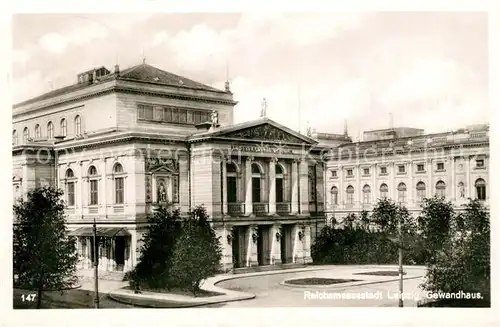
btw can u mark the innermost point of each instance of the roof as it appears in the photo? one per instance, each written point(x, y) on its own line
point(141, 73)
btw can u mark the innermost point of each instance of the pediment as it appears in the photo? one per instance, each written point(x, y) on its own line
point(162, 165)
point(267, 132)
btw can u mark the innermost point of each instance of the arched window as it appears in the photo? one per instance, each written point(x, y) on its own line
point(231, 182)
point(279, 184)
point(14, 137)
point(402, 193)
point(256, 183)
point(26, 135)
point(94, 190)
point(420, 191)
point(366, 193)
point(64, 127)
point(441, 189)
point(350, 194)
point(334, 195)
point(480, 189)
point(50, 130)
point(78, 125)
point(38, 131)
point(119, 183)
point(384, 190)
point(70, 187)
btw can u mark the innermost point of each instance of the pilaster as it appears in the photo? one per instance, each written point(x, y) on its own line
point(304, 187)
point(272, 186)
point(295, 187)
point(252, 246)
point(275, 244)
point(248, 188)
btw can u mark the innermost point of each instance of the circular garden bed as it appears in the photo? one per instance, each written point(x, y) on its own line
point(318, 281)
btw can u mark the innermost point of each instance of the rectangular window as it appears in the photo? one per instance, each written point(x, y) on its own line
point(231, 189)
point(93, 193)
point(440, 166)
point(334, 173)
point(402, 196)
point(480, 163)
point(256, 189)
point(182, 116)
point(420, 167)
point(158, 113)
point(71, 193)
point(383, 170)
point(420, 195)
point(197, 117)
point(175, 115)
point(119, 191)
point(401, 169)
point(148, 112)
point(366, 171)
point(190, 117)
point(349, 172)
point(366, 197)
point(279, 190)
point(350, 198)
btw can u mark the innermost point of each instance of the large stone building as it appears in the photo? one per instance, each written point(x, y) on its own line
point(118, 143)
point(407, 165)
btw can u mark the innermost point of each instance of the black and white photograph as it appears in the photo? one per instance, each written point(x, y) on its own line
point(187, 160)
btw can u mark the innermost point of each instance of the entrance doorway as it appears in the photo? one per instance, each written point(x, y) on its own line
point(263, 246)
point(119, 252)
point(239, 245)
point(286, 244)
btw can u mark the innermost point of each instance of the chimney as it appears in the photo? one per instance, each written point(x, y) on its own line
point(117, 69)
point(345, 128)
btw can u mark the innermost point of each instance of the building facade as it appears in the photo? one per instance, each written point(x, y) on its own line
point(407, 165)
point(120, 143)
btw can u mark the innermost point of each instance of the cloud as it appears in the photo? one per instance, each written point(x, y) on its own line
point(53, 43)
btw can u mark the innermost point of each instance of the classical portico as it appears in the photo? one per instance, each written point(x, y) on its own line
point(265, 195)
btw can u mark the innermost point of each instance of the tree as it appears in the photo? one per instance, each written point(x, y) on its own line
point(435, 222)
point(45, 255)
point(463, 262)
point(153, 268)
point(197, 252)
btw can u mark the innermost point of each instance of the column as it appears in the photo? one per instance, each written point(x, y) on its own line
point(431, 185)
point(468, 184)
point(295, 187)
point(251, 259)
point(304, 187)
point(275, 245)
point(307, 244)
point(224, 185)
point(81, 193)
point(359, 187)
point(104, 193)
point(248, 188)
point(272, 186)
point(453, 180)
point(341, 194)
point(411, 187)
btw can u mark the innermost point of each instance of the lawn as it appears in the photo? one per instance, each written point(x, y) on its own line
point(381, 273)
point(319, 281)
point(200, 293)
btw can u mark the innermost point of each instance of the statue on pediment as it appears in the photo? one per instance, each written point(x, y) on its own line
point(214, 118)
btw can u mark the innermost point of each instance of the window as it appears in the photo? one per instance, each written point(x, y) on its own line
point(384, 190)
point(38, 131)
point(26, 135)
point(420, 191)
point(401, 169)
point(70, 188)
point(350, 194)
point(480, 189)
point(366, 171)
point(441, 189)
point(402, 193)
point(231, 192)
point(366, 193)
point(14, 137)
point(50, 130)
point(334, 192)
point(420, 167)
point(383, 170)
point(479, 163)
point(279, 184)
point(440, 166)
point(334, 173)
point(119, 183)
point(256, 183)
point(64, 127)
point(349, 172)
point(94, 197)
point(78, 125)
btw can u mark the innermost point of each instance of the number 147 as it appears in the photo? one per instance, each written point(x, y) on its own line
point(28, 297)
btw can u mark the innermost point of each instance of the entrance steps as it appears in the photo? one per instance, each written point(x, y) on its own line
point(285, 266)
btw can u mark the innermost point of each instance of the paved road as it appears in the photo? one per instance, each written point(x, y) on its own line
point(270, 293)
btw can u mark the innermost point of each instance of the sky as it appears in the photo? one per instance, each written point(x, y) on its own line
point(429, 69)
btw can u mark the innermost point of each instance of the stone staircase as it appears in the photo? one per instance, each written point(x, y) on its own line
point(285, 266)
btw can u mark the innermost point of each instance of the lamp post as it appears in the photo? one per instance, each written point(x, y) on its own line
point(96, 264)
point(400, 251)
